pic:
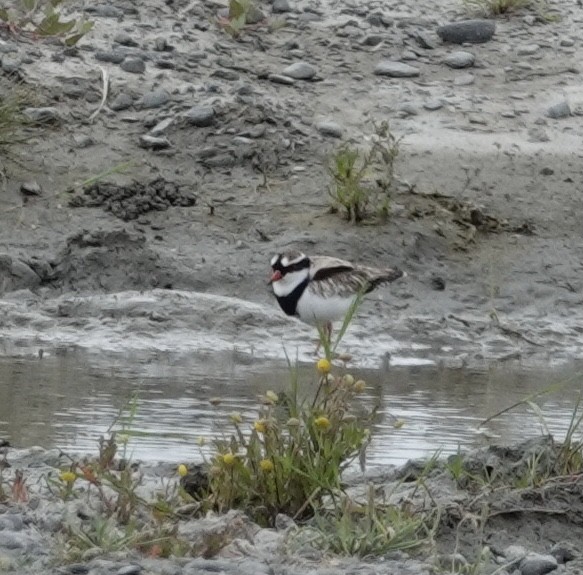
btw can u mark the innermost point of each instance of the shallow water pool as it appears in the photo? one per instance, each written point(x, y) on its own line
point(68, 400)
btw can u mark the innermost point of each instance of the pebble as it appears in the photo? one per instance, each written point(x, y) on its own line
point(29, 189)
point(281, 7)
point(46, 115)
point(559, 110)
point(155, 99)
point(200, 116)
point(133, 65)
point(121, 102)
point(372, 40)
point(111, 56)
point(470, 31)
point(161, 127)
point(433, 105)
point(396, 69)
point(537, 564)
point(228, 75)
point(528, 50)
point(281, 79)
point(330, 129)
point(124, 39)
point(11, 64)
point(154, 142)
point(464, 80)
point(130, 570)
point(459, 60)
point(514, 552)
point(300, 71)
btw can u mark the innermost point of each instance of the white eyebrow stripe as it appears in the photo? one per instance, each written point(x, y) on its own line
point(274, 260)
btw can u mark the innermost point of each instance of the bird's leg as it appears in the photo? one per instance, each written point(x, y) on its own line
point(329, 330)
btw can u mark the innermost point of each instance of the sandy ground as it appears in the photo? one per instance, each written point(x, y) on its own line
point(487, 202)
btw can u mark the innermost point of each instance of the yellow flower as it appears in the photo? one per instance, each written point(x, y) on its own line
point(236, 417)
point(260, 426)
point(67, 476)
point(182, 470)
point(323, 366)
point(266, 465)
point(322, 422)
point(359, 386)
point(228, 459)
point(272, 396)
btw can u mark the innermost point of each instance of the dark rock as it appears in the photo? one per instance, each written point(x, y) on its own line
point(559, 110)
point(471, 31)
point(112, 56)
point(121, 102)
point(154, 142)
point(124, 39)
point(133, 65)
point(537, 564)
point(30, 189)
point(200, 116)
point(155, 99)
point(330, 129)
point(281, 7)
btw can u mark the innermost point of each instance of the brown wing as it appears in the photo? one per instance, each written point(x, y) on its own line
point(333, 276)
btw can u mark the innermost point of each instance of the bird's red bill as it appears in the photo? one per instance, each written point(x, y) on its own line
point(276, 276)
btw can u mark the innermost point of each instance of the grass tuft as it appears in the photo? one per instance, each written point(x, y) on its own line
point(362, 180)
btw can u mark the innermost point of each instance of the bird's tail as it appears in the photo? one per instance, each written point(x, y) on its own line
point(387, 276)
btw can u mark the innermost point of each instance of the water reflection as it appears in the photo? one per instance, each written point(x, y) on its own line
point(68, 401)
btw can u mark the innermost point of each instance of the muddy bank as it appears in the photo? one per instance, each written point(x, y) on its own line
point(483, 215)
point(503, 509)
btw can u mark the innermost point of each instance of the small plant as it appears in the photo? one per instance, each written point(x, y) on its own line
point(42, 18)
point(498, 7)
point(11, 117)
point(361, 179)
point(372, 528)
point(292, 454)
point(241, 13)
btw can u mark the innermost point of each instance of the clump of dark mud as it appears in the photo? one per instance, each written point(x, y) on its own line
point(131, 201)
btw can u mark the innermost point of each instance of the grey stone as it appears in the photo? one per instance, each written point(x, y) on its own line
point(281, 6)
point(254, 15)
point(300, 71)
point(161, 127)
point(567, 42)
point(107, 11)
point(281, 79)
point(30, 189)
point(154, 143)
point(433, 105)
point(155, 99)
point(528, 50)
point(471, 31)
point(47, 115)
point(464, 80)
point(514, 553)
point(200, 116)
point(83, 140)
point(559, 110)
point(537, 564)
point(121, 102)
point(396, 69)
point(372, 40)
point(330, 129)
point(563, 551)
point(11, 63)
point(124, 39)
point(112, 56)
point(10, 540)
point(134, 569)
point(229, 75)
point(133, 65)
point(459, 59)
